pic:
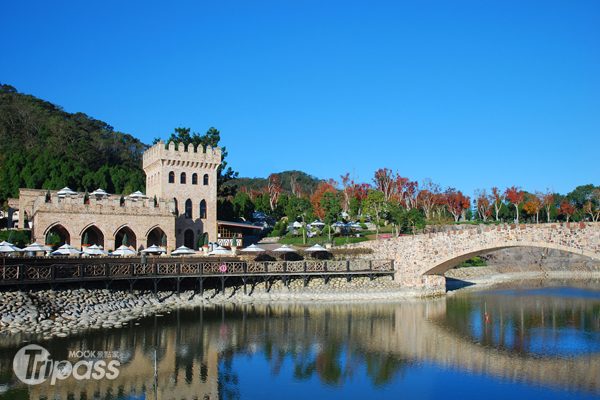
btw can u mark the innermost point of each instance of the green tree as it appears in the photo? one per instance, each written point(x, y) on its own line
point(243, 206)
point(376, 206)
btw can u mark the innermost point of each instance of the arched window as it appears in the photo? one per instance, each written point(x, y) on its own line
point(188, 208)
point(203, 209)
point(194, 179)
point(171, 177)
point(176, 207)
point(205, 179)
point(182, 178)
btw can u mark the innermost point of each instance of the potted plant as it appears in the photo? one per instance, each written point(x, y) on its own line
point(234, 243)
point(86, 241)
point(205, 247)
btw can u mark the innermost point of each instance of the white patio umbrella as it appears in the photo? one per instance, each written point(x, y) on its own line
point(123, 251)
point(138, 195)
point(218, 251)
point(99, 193)
point(65, 191)
point(296, 224)
point(153, 249)
point(65, 249)
point(253, 249)
point(316, 249)
point(317, 223)
point(183, 250)
point(6, 247)
point(339, 224)
point(284, 249)
point(35, 247)
point(94, 250)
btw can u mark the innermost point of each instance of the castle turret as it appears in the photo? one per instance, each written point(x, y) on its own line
point(189, 176)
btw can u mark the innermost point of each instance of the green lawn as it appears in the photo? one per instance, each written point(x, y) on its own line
point(338, 241)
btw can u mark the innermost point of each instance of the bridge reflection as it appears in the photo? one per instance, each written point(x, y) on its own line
point(329, 343)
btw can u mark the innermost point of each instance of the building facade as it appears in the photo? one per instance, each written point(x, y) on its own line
point(180, 207)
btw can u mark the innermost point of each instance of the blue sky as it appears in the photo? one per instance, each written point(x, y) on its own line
point(471, 94)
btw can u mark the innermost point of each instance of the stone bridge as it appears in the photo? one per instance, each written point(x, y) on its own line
point(421, 260)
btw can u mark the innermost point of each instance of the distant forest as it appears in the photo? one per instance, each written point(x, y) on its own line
point(307, 182)
point(44, 147)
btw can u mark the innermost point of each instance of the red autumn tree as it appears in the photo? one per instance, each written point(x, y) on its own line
point(547, 201)
point(385, 182)
point(498, 200)
point(274, 190)
point(456, 202)
point(428, 196)
point(515, 196)
point(317, 198)
point(484, 205)
point(296, 187)
point(566, 208)
point(533, 205)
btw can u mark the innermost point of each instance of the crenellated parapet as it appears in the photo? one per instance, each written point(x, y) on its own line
point(105, 205)
point(181, 155)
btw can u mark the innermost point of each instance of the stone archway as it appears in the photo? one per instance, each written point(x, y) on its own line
point(155, 237)
point(61, 233)
point(94, 235)
point(131, 237)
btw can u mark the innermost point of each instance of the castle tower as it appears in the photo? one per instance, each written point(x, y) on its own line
point(189, 176)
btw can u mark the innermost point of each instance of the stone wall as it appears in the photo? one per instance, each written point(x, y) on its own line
point(106, 214)
point(159, 162)
point(421, 260)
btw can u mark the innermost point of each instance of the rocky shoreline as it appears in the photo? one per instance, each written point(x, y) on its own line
point(59, 313)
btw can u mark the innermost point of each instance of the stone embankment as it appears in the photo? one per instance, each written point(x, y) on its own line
point(59, 313)
point(461, 277)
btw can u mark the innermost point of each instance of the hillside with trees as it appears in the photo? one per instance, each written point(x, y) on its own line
point(45, 147)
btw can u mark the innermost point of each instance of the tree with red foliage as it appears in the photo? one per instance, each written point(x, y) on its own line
point(533, 205)
point(497, 200)
point(456, 202)
point(296, 187)
point(547, 201)
point(385, 182)
point(252, 193)
point(484, 205)
point(515, 196)
point(428, 196)
point(274, 190)
point(566, 208)
point(317, 198)
point(347, 189)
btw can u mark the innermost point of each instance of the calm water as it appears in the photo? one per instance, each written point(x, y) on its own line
point(541, 341)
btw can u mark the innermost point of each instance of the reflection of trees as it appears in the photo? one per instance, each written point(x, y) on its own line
point(519, 320)
point(383, 368)
point(228, 378)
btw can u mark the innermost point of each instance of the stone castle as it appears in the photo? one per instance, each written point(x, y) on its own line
point(180, 205)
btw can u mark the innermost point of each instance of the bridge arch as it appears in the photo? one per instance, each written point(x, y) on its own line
point(443, 265)
point(420, 260)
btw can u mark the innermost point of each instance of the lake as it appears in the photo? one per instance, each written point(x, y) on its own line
point(530, 340)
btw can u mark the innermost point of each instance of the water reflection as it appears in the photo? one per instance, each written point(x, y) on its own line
point(319, 350)
point(536, 318)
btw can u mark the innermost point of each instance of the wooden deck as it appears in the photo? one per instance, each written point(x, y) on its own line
point(25, 272)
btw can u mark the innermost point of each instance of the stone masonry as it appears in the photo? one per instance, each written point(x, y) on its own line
point(421, 260)
point(183, 181)
point(188, 176)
